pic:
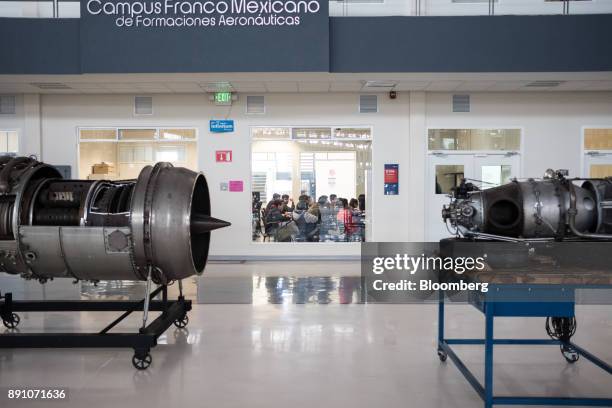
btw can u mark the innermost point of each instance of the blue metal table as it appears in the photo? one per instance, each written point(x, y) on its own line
point(518, 300)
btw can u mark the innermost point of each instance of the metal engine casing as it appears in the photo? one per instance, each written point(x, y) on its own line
point(534, 209)
point(102, 230)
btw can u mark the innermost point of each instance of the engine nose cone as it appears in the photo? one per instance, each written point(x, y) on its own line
point(203, 223)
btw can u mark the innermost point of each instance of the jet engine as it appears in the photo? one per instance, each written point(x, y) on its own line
point(158, 225)
point(552, 208)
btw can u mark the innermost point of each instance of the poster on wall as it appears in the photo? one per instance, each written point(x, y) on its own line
point(391, 179)
point(236, 186)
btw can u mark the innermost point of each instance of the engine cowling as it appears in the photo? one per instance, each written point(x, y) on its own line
point(99, 229)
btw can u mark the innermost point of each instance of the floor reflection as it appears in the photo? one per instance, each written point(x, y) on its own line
point(131, 290)
point(276, 290)
point(257, 289)
point(302, 290)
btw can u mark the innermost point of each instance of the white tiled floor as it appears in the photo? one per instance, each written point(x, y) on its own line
point(308, 355)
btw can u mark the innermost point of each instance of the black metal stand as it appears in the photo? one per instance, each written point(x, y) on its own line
point(173, 312)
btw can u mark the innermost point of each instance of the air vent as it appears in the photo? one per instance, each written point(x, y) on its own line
point(368, 103)
point(256, 104)
point(143, 105)
point(217, 86)
point(50, 85)
point(461, 103)
point(7, 104)
point(544, 84)
point(380, 84)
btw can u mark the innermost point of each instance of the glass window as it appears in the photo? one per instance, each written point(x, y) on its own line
point(136, 148)
point(177, 134)
point(495, 175)
point(173, 154)
point(9, 142)
point(353, 133)
point(98, 134)
point(598, 139)
point(12, 142)
point(270, 133)
point(448, 176)
point(474, 139)
point(310, 188)
point(98, 160)
point(137, 134)
point(600, 170)
point(311, 133)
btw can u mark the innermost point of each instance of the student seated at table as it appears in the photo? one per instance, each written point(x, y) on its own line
point(273, 217)
point(345, 216)
point(307, 222)
point(288, 204)
point(354, 205)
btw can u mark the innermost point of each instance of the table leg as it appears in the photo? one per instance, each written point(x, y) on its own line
point(488, 384)
point(441, 353)
point(440, 316)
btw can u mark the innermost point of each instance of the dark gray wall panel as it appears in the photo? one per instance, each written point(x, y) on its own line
point(356, 44)
point(39, 46)
point(471, 44)
point(106, 48)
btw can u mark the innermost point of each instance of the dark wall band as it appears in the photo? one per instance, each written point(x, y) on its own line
point(343, 44)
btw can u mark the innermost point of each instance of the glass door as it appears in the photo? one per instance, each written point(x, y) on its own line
point(492, 170)
point(445, 172)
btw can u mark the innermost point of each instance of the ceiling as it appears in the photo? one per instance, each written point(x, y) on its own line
point(304, 82)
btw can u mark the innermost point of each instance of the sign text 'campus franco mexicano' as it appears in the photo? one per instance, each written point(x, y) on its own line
point(205, 13)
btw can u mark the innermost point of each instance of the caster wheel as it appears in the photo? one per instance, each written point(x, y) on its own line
point(182, 322)
point(442, 355)
point(11, 322)
point(142, 363)
point(570, 355)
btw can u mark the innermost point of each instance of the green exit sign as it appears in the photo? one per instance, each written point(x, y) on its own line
point(223, 98)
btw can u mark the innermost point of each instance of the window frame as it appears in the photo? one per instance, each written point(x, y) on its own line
point(519, 151)
point(118, 141)
point(584, 152)
point(18, 132)
point(369, 208)
point(333, 129)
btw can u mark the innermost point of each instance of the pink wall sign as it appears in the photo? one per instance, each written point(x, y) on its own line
point(236, 186)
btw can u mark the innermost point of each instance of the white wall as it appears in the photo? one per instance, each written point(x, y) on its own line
point(62, 114)
point(551, 121)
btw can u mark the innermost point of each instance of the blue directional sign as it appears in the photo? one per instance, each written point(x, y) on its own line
point(222, 126)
